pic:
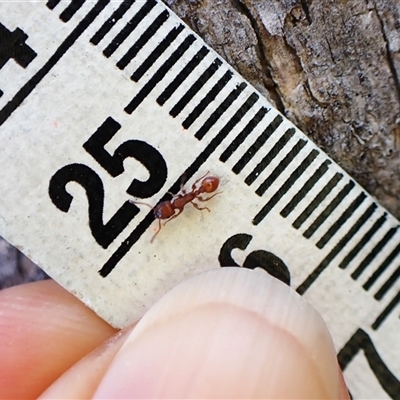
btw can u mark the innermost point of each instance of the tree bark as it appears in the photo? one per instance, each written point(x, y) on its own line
point(331, 67)
point(15, 268)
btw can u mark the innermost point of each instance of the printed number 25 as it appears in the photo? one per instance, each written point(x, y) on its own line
point(106, 233)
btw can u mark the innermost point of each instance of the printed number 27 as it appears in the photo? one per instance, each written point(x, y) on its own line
point(361, 341)
point(106, 233)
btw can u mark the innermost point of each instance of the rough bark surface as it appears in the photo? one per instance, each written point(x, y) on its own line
point(331, 66)
point(15, 268)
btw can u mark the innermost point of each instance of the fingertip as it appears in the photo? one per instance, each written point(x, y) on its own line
point(44, 330)
point(82, 379)
point(228, 333)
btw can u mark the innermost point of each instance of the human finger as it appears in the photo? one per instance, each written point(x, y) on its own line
point(44, 330)
point(227, 333)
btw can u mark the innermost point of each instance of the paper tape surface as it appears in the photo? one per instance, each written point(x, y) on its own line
point(107, 102)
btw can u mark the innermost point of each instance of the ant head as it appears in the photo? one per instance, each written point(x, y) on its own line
point(210, 184)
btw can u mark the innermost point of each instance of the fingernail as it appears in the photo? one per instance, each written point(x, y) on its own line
point(227, 333)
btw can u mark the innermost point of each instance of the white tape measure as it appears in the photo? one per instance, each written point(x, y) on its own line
point(106, 102)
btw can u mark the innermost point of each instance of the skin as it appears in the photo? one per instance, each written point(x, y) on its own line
point(227, 333)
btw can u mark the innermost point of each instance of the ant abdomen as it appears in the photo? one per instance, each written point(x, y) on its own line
point(164, 210)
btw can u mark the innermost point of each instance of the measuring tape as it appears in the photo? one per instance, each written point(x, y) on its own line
point(108, 102)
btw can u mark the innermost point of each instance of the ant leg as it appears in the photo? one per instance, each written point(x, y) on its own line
point(174, 216)
point(198, 180)
point(181, 187)
point(158, 230)
point(159, 224)
point(139, 202)
point(208, 198)
point(182, 183)
point(200, 208)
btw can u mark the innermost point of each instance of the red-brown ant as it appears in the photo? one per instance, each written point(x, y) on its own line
point(166, 209)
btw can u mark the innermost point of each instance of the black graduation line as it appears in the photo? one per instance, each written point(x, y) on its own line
point(126, 245)
point(148, 5)
point(157, 52)
point(190, 171)
point(183, 74)
point(367, 260)
point(24, 92)
point(317, 200)
point(364, 240)
point(335, 251)
point(281, 167)
point(227, 102)
point(143, 39)
point(279, 145)
point(328, 210)
point(257, 145)
point(286, 186)
point(194, 89)
point(388, 260)
point(341, 220)
point(299, 196)
point(388, 284)
point(386, 312)
point(207, 99)
point(241, 137)
point(160, 74)
point(107, 25)
point(237, 117)
point(71, 10)
point(51, 4)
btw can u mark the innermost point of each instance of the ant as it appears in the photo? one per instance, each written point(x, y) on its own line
point(167, 209)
